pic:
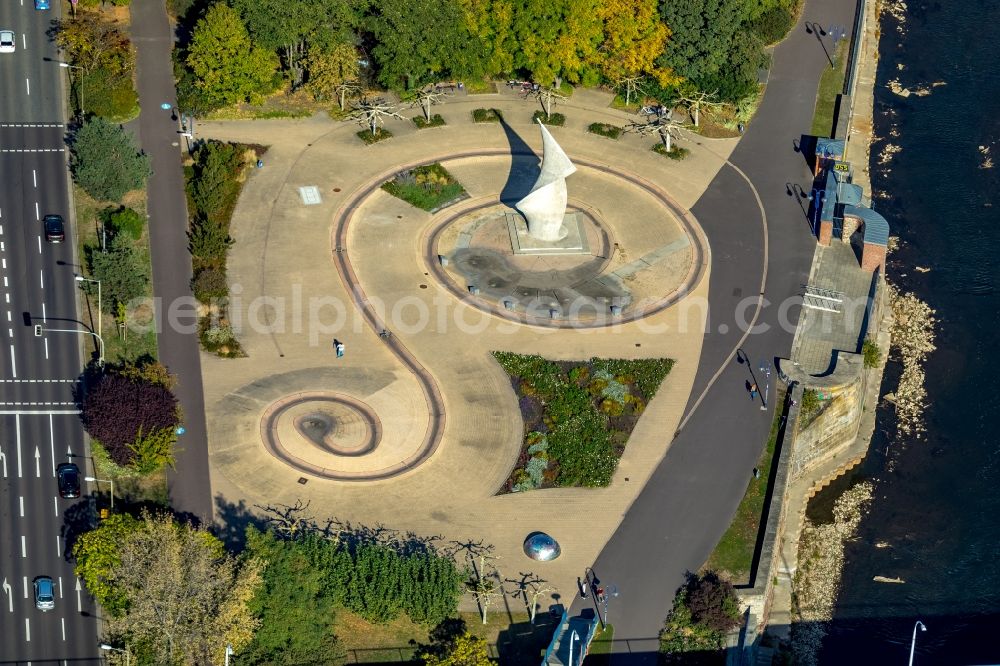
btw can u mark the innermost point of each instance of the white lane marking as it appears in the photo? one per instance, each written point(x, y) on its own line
point(24, 546)
point(41, 278)
point(55, 505)
point(39, 243)
point(27, 629)
point(27, 86)
point(52, 445)
point(62, 620)
point(79, 603)
point(37, 214)
point(8, 316)
point(17, 430)
point(33, 150)
point(10, 595)
point(3, 458)
point(20, 501)
point(45, 319)
point(10, 332)
point(60, 587)
point(3, 262)
point(46, 349)
point(38, 412)
point(13, 362)
point(58, 545)
point(38, 463)
point(24, 40)
point(25, 587)
point(34, 177)
point(2, 248)
point(5, 281)
point(7, 297)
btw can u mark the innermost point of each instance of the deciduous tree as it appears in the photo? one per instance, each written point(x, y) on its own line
point(634, 37)
point(97, 553)
point(228, 67)
point(117, 410)
point(120, 270)
point(329, 67)
point(105, 160)
point(466, 650)
point(558, 38)
point(417, 43)
point(293, 605)
point(186, 598)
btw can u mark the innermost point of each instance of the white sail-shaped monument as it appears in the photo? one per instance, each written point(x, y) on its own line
point(545, 206)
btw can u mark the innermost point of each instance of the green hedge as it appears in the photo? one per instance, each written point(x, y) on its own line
point(380, 134)
point(556, 119)
point(435, 121)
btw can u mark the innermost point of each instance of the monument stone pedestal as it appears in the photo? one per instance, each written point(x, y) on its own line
point(522, 242)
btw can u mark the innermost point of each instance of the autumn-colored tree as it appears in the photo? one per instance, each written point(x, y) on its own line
point(98, 553)
point(634, 37)
point(90, 42)
point(186, 598)
point(558, 38)
point(492, 22)
point(228, 67)
point(329, 67)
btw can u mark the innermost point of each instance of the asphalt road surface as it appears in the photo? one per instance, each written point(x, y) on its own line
point(692, 496)
point(39, 426)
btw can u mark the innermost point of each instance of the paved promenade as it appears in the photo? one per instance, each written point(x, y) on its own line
point(284, 250)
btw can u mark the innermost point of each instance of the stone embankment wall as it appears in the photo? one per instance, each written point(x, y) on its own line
point(814, 453)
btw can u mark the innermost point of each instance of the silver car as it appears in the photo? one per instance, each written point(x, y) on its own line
point(45, 598)
point(8, 41)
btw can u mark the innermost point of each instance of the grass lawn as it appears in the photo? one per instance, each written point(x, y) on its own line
point(831, 84)
point(426, 187)
point(281, 104)
point(510, 635)
point(733, 554)
point(600, 647)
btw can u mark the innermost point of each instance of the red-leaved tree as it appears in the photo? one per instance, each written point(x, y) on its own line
point(118, 409)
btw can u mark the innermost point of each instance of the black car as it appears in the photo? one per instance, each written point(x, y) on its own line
point(69, 480)
point(55, 230)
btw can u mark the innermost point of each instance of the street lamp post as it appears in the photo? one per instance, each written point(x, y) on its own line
point(765, 368)
point(229, 653)
point(91, 479)
point(69, 66)
point(100, 309)
point(913, 641)
point(39, 330)
point(572, 637)
point(108, 648)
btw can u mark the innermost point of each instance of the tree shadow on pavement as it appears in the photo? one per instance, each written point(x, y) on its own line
point(232, 521)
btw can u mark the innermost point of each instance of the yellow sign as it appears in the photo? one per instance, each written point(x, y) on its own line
point(842, 167)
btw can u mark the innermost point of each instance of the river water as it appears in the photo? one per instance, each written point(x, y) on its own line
point(936, 508)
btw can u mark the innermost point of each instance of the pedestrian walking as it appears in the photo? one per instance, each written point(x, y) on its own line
point(753, 391)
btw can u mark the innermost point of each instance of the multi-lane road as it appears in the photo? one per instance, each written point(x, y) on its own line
point(39, 427)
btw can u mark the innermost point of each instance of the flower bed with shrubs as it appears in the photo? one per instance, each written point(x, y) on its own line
point(556, 119)
point(435, 121)
point(214, 181)
point(604, 129)
point(427, 187)
point(487, 115)
point(578, 416)
point(369, 138)
point(675, 153)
